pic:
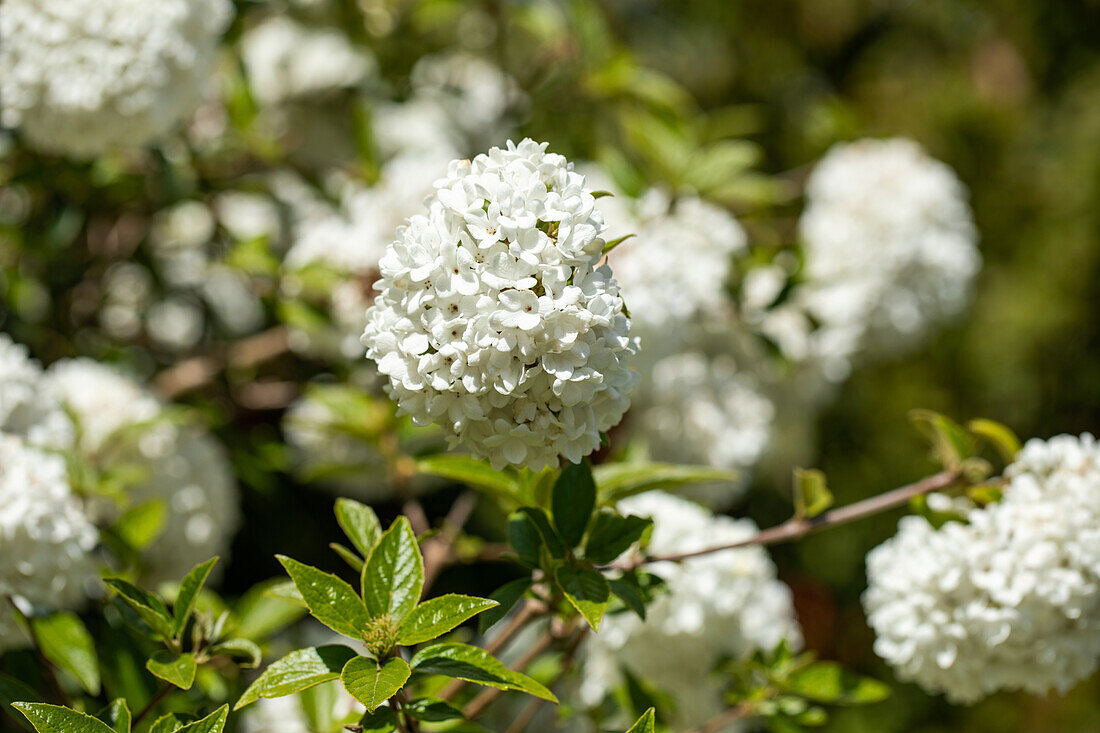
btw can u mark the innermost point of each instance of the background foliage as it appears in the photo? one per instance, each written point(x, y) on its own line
point(1003, 91)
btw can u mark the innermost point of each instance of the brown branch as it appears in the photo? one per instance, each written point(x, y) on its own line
point(162, 693)
point(797, 528)
point(438, 550)
point(200, 370)
point(725, 718)
point(418, 520)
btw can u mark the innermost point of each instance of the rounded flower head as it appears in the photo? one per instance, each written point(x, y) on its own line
point(1008, 601)
point(84, 76)
point(725, 604)
point(45, 540)
point(23, 410)
point(182, 467)
point(496, 320)
point(889, 243)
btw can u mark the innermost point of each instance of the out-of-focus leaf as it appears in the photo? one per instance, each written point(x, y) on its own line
point(259, 613)
point(240, 649)
point(68, 645)
point(142, 524)
point(116, 715)
point(811, 493)
point(149, 607)
point(475, 474)
point(950, 441)
point(998, 435)
point(619, 480)
point(506, 596)
point(832, 683)
point(612, 534)
point(432, 710)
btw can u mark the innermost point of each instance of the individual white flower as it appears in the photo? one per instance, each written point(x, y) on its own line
point(890, 245)
point(24, 411)
point(494, 318)
point(705, 411)
point(184, 468)
point(725, 604)
point(675, 267)
point(1008, 601)
point(85, 76)
point(286, 60)
point(46, 542)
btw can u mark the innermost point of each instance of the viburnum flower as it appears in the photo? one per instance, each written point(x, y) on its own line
point(495, 318)
point(84, 76)
point(46, 542)
point(183, 467)
point(722, 605)
point(1009, 600)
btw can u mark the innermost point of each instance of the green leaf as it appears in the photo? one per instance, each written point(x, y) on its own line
point(506, 596)
point(587, 590)
point(608, 246)
point(646, 723)
point(629, 594)
point(472, 664)
point(612, 534)
point(298, 671)
point(475, 474)
point(12, 691)
point(432, 710)
point(435, 617)
point(239, 649)
point(619, 480)
point(999, 436)
point(546, 531)
point(178, 671)
point(213, 723)
point(372, 683)
point(169, 723)
point(393, 576)
point(68, 645)
point(950, 441)
point(524, 538)
point(360, 524)
point(190, 586)
point(811, 493)
point(382, 720)
point(830, 682)
point(287, 592)
point(331, 601)
point(354, 561)
point(55, 719)
point(142, 524)
point(149, 607)
point(572, 502)
point(117, 716)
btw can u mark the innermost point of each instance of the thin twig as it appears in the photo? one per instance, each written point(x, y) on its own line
point(797, 528)
point(414, 510)
point(530, 710)
point(438, 549)
point(51, 673)
point(158, 698)
point(200, 370)
point(725, 718)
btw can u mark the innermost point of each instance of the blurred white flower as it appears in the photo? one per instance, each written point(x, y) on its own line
point(46, 542)
point(182, 226)
point(705, 411)
point(494, 319)
point(286, 60)
point(723, 605)
point(1009, 601)
point(184, 468)
point(24, 411)
point(85, 76)
point(675, 267)
point(890, 247)
point(175, 323)
point(246, 215)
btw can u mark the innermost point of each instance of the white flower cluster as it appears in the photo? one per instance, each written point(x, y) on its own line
point(675, 267)
point(329, 702)
point(46, 542)
point(1009, 600)
point(22, 410)
point(495, 320)
point(725, 604)
point(706, 411)
point(890, 244)
point(184, 468)
point(286, 60)
point(84, 76)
